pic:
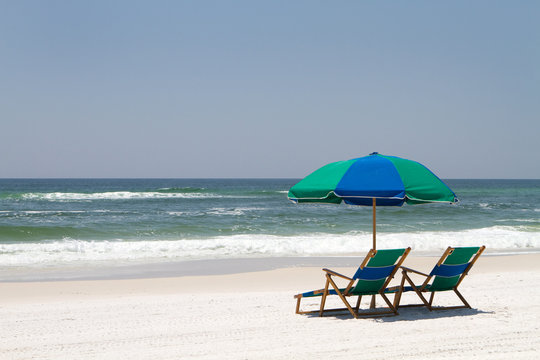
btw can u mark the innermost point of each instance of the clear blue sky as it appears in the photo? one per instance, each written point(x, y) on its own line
point(267, 88)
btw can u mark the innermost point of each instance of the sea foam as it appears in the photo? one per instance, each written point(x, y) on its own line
point(65, 251)
point(119, 195)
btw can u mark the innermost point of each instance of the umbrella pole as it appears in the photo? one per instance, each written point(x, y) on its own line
point(374, 224)
point(372, 305)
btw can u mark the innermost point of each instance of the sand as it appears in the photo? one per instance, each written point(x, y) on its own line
point(250, 315)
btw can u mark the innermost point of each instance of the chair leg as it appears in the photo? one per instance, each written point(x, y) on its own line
point(464, 306)
point(324, 295)
point(298, 305)
point(357, 307)
point(397, 296)
point(351, 310)
point(394, 310)
point(428, 305)
point(462, 298)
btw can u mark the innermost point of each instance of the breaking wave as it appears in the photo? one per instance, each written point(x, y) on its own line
point(121, 195)
point(67, 250)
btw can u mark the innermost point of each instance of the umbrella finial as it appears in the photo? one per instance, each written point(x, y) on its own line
point(374, 153)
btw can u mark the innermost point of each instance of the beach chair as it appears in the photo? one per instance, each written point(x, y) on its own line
point(447, 275)
point(371, 278)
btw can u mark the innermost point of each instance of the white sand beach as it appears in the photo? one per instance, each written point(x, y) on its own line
point(250, 315)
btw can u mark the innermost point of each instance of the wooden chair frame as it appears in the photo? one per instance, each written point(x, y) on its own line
point(355, 312)
point(419, 290)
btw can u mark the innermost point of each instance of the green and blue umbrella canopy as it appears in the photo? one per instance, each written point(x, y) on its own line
point(374, 180)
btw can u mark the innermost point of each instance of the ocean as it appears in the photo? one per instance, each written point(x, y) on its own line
point(55, 222)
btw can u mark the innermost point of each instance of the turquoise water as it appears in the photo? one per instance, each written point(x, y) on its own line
point(51, 221)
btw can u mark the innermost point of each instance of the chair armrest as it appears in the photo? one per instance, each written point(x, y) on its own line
point(413, 271)
point(331, 272)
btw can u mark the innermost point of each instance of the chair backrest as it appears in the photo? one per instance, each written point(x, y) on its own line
point(453, 266)
point(377, 270)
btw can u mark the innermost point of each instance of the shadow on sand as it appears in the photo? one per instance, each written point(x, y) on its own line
point(408, 314)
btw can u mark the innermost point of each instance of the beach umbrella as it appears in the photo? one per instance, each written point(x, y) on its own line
point(374, 180)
